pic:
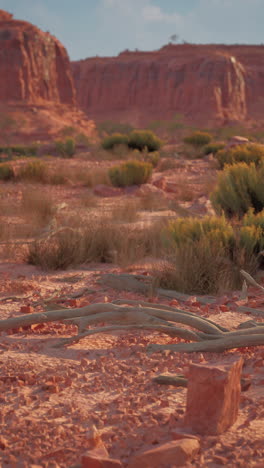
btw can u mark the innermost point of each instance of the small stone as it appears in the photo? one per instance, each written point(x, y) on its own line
point(97, 458)
point(26, 309)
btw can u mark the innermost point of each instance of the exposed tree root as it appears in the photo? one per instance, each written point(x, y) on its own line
point(181, 381)
point(171, 331)
point(213, 346)
point(132, 283)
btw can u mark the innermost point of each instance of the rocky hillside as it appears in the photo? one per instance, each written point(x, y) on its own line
point(205, 83)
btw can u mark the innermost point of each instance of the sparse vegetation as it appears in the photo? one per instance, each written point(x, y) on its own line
point(250, 153)
point(144, 139)
point(130, 173)
point(37, 207)
point(212, 148)
point(198, 139)
point(239, 188)
point(66, 148)
point(19, 150)
point(110, 142)
point(33, 171)
point(6, 172)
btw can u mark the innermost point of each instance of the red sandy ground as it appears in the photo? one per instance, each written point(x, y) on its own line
point(50, 397)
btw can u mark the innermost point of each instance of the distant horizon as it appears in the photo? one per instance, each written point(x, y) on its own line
point(105, 28)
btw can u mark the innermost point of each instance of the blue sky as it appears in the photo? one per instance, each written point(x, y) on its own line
point(106, 27)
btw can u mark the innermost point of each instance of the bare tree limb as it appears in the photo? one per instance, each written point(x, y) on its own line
point(171, 331)
point(215, 346)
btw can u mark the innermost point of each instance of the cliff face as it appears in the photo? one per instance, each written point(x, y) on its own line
point(34, 65)
point(205, 83)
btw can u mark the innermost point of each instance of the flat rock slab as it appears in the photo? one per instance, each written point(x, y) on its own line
point(213, 397)
point(174, 453)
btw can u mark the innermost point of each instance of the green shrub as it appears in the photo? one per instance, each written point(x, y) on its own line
point(152, 158)
point(20, 150)
point(213, 148)
point(130, 173)
point(215, 229)
point(116, 139)
point(198, 139)
point(144, 139)
point(239, 188)
point(201, 256)
point(34, 171)
point(251, 234)
point(66, 148)
point(250, 153)
point(6, 172)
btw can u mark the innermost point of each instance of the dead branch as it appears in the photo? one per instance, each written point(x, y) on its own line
point(214, 346)
point(251, 280)
point(181, 381)
point(175, 380)
point(112, 313)
point(130, 283)
point(165, 307)
point(171, 331)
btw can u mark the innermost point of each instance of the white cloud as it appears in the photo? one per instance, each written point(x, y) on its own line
point(154, 14)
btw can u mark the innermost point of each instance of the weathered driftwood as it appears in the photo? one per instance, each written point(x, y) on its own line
point(251, 280)
point(171, 331)
point(213, 346)
point(165, 307)
point(174, 380)
point(112, 313)
point(131, 283)
point(181, 381)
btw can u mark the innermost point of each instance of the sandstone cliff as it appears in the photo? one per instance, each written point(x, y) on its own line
point(36, 85)
point(205, 83)
point(34, 65)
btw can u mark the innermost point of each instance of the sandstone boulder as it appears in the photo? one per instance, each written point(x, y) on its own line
point(237, 140)
point(213, 397)
point(174, 453)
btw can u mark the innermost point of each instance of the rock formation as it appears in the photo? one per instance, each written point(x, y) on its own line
point(205, 83)
point(34, 65)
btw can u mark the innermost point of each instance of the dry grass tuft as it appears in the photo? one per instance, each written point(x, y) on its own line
point(38, 208)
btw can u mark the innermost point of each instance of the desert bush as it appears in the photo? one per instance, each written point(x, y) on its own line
point(130, 173)
point(152, 158)
point(213, 148)
point(101, 240)
point(239, 187)
point(144, 139)
point(251, 233)
point(110, 142)
point(6, 172)
point(250, 153)
point(38, 208)
point(33, 171)
point(200, 267)
point(189, 230)
point(198, 139)
point(20, 150)
point(66, 148)
point(200, 256)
